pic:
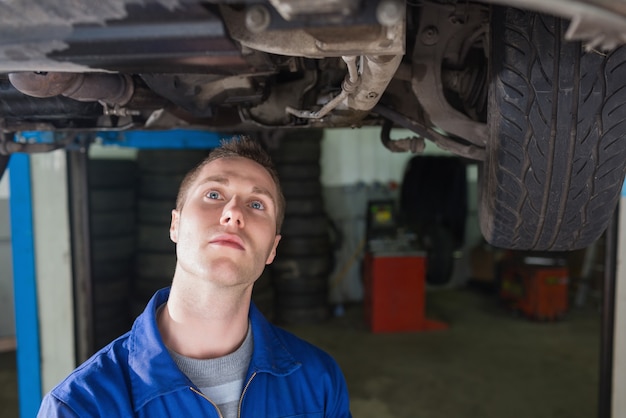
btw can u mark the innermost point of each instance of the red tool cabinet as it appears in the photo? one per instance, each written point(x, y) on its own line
point(395, 293)
point(538, 291)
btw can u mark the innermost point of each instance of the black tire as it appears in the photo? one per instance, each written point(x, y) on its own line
point(263, 294)
point(104, 270)
point(439, 244)
point(305, 226)
point(299, 316)
point(154, 186)
point(316, 286)
point(169, 162)
point(155, 211)
point(306, 206)
point(155, 266)
point(113, 292)
point(292, 172)
point(285, 268)
point(302, 189)
point(301, 146)
point(144, 289)
point(113, 248)
point(111, 173)
point(293, 300)
point(111, 224)
point(556, 151)
point(264, 281)
point(112, 199)
point(155, 238)
point(112, 227)
point(302, 246)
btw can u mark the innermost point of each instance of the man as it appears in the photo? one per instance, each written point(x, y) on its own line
point(202, 349)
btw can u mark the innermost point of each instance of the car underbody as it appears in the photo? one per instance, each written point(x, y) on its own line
point(432, 67)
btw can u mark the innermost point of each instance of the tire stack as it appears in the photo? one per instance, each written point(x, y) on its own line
point(301, 268)
point(263, 294)
point(159, 175)
point(112, 229)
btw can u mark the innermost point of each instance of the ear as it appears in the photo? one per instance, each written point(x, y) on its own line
point(174, 225)
point(272, 254)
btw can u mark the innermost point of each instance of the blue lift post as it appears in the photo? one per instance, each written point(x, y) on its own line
point(173, 139)
point(23, 250)
point(25, 286)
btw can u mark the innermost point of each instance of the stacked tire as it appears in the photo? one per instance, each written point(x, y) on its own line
point(263, 294)
point(112, 239)
point(301, 268)
point(159, 175)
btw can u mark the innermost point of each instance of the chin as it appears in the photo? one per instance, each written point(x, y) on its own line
point(228, 271)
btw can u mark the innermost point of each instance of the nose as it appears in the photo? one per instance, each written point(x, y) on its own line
point(232, 214)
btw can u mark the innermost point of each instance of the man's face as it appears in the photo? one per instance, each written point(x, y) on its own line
point(226, 229)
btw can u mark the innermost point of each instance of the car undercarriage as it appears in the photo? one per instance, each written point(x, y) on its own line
point(531, 90)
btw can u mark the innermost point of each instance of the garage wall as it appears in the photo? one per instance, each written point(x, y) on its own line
point(351, 156)
point(7, 314)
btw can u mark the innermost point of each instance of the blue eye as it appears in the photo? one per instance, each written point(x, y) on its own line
point(213, 195)
point(257, 205)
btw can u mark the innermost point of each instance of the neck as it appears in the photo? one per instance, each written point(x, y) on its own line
point(204, 323)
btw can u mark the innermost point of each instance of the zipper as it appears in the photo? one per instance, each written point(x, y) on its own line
point(219, 413)
point(243, 393)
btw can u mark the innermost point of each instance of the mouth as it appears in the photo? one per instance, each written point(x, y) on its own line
point(228, 240)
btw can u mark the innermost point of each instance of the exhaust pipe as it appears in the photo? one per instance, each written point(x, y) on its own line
point(112, 89)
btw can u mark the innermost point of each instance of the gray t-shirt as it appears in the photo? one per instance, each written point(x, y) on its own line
point(220, 379)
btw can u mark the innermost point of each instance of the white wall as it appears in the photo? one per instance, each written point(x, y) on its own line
point(352, 156)
point(53, 266)
point(7, 313)
point(4, 185)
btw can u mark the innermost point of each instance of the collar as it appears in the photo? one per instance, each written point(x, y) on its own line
point(270, 354)
point(153, 372)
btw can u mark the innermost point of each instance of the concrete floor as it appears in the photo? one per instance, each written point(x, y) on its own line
point(488, 364)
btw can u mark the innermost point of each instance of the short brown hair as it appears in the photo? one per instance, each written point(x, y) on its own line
point(238, 146)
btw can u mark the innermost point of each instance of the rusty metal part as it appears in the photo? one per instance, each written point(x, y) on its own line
point(375, 74)
point(349, 86)
point(443, 32)
point(112, 89)
point(352, 78)
point(359, 92)
point(390, 12)
point(126, 36)
point(415, 144)
point(470, 151)
point(315, 42)
point(271, 111)
point(257, 18)
point(290, 9)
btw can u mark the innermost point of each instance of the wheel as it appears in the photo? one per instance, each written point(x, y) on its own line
point(556, 152)
point(439, 243)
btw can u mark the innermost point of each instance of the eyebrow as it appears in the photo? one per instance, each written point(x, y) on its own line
point(216, 179)
point(224, 180)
